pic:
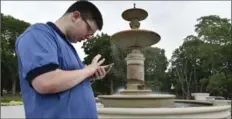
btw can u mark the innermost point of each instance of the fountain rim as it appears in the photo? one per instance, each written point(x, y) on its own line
point(161, 110)
point(145, 13)
point(131, 96)
point(201, 102)
point(134, 9)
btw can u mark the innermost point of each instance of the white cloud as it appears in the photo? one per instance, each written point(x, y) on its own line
point(173, 20)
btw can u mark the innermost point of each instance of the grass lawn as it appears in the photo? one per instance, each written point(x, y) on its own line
point(8, 100)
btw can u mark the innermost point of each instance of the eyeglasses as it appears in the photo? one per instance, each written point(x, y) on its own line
point(89, 28)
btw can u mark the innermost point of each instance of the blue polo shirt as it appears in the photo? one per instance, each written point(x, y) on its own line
point(43, 48)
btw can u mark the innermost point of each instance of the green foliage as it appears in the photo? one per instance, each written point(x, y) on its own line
point(155, 66)
point(9, 98)
point(203, 62)
point(217, 84)
point(10, 30)
point(214, 29)
point(12, 103)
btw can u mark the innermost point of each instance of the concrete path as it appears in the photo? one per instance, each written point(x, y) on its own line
point(12, 112)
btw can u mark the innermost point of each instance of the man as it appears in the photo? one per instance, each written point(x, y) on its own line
point(54, 83)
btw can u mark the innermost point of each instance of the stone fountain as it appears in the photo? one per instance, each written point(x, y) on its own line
point(135, 40)
point(137, 100)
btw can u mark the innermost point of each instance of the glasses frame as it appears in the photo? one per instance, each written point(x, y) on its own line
point(89, 28)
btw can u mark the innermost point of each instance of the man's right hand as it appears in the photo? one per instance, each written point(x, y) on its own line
point(92, 68)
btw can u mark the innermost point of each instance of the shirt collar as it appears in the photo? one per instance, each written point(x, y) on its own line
point(62, 35)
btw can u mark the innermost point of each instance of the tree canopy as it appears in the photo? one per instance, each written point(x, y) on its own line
point(10, 30)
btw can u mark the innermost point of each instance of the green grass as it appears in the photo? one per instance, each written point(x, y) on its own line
point(11, 100)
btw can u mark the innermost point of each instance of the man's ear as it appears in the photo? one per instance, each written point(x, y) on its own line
point(76, 15)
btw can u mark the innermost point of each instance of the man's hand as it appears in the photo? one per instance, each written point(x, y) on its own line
point(94, 66)
point(101, 72)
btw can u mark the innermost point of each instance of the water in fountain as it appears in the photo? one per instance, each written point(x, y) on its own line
point(119, 90)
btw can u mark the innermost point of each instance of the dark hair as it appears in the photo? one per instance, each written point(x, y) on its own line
point(88, 10)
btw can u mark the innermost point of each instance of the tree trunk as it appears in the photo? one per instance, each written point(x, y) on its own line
point(179, 75)
point(14, 87)
point(196, 81)
point(188, 92)
point(111, 87)
point(201, 87)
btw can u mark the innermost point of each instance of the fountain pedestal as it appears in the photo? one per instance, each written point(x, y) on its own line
point(135, 74)
point(135, 67)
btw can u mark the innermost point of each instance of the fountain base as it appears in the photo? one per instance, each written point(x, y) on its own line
point(137, 101)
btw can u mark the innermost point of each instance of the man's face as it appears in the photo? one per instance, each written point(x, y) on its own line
point(81, 28)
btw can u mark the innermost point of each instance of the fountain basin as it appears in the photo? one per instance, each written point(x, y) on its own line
point(200, 96)
point(137, 101)
point(215, 112)
point(135, 38)
point(195, 102)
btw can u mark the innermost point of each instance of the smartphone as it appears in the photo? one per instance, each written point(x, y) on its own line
point(108, 68)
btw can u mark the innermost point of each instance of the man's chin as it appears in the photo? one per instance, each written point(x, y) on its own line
point(77, 41)
point(81, 40)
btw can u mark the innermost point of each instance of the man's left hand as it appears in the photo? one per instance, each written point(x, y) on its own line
point(100, 73)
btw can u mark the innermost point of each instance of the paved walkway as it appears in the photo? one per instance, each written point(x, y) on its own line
point(12, 112)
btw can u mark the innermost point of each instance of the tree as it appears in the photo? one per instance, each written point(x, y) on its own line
point(155, 67)
point(216, 33)
point(203, 58)
point(10, 30)
point(213, 29)
point(218, 84)
point(185, 64)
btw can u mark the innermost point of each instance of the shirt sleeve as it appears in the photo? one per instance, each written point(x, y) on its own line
point(37, 53)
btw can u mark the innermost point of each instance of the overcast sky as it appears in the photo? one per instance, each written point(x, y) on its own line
point(173, 20)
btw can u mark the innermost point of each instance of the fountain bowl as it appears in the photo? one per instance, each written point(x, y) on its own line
point(135, 38)
point(137, 101)
point(134, 13)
